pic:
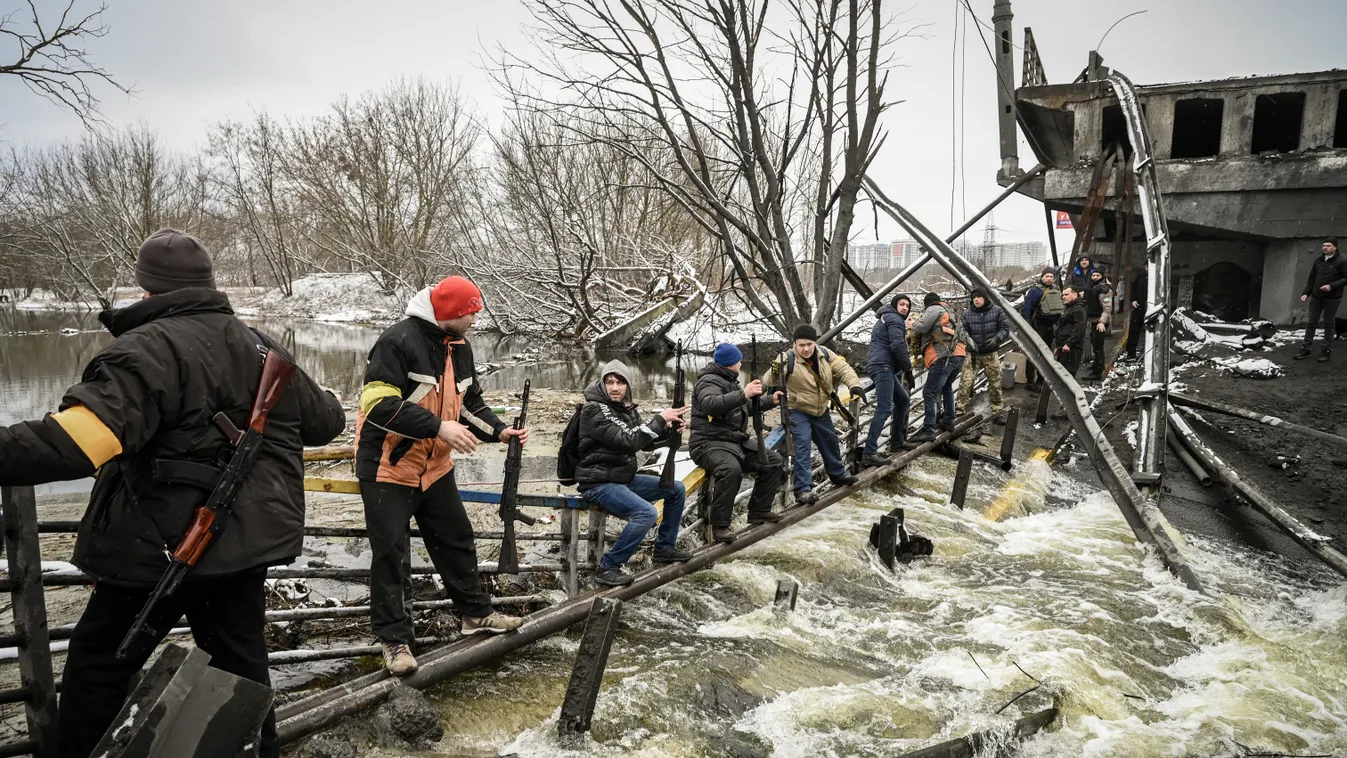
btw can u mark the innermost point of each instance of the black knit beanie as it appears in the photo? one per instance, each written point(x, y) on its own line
point(932, 298)
point(172, 260)
point(1332, 241)
point(805, 332)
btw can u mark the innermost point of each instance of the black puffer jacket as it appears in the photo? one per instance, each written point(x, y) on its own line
point(721, 412)
point(1327, 271)
point(611, 434)
point(179, 358)
point(888, 341)
point(1073, 327)
point(986, 326)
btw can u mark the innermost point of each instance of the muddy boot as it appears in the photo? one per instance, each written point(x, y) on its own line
point(1323, 358)
point(613, 577)
point(1000, 419)
point(927, 434)
point(874, 460)
point(945, 426)
point(843, 481)
point(766, 517)
point(492, 623)
point(671, 556)
point(805, 497)
point(722, 534)
point(1304, 353)
point(398, 658)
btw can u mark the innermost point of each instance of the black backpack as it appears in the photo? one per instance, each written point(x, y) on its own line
point(568, 457)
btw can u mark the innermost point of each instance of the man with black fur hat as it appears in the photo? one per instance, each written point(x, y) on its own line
point(813, 378)
point(140, 420)
point(1323, 293)
point(1098, 311)
point(986, 327)
point(721, 444)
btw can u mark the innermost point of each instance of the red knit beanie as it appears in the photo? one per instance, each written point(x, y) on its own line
point(454, 297)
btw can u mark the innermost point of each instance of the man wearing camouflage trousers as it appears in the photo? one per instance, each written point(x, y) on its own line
point(986, 326)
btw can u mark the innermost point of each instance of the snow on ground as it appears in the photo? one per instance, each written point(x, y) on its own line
point(1253, 368)
point(339, 298)
point(725, 319)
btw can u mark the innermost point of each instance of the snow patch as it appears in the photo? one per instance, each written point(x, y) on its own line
point(337, 298)
point(1253, 368)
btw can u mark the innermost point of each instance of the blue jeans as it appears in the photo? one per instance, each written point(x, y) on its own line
point(633, 503)
point(889, 394)
point(941, 377)
point(805, 429)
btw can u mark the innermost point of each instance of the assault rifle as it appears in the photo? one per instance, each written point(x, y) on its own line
point(210, 518)
point(509, 494)
point(757, 403)
point(666, 476)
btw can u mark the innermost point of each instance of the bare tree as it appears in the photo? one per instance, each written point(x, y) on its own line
point(50, 58)
point(258, 195)
point(764, 145)
point(383, 177)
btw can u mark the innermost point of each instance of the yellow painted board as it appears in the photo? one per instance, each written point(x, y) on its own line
point(320, 484)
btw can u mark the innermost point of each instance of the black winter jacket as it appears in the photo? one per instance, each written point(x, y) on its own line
point(611, 434)
point(1072, 327)
point(721, 413)
point(888, 341)
point(1330, 271)
point(178, 359)
point(986, 327)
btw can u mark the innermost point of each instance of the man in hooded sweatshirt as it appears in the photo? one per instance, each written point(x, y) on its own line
point(986, 327)
point(420, 404)
point(1079, 275)
point(1042, 307)
point(141, 421)
point(887, 360)
point(943, 346)
point(722, 445)
point(611, 434)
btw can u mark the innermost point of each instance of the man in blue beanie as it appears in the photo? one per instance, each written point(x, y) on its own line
point(722, 445)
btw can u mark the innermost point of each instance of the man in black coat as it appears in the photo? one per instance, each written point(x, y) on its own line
point(722, 445)
point(1323, 292)
point(611, 434)
point(987, 328)
point(1071, 334)
point(1136, 320)
point(141, 418)
point(1098, 311)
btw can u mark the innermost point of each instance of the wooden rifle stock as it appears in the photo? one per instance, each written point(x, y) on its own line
point(666, 477)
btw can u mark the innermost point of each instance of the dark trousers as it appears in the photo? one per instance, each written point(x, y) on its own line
point(227, 617)
point(1071, 359)
point(1047, 330)
point(890, 398)
point(1136, 331)
point(1097, 339)
point(727, 473)
point(447, 532)
point(938, 394)
point(1328, 311)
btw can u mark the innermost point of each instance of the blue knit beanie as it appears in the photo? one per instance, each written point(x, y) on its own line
point(727, 354)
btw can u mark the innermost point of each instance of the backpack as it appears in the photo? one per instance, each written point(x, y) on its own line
point(1050, 304)
point(568, 457)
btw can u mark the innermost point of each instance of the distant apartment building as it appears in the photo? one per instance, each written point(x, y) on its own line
point(893, 256)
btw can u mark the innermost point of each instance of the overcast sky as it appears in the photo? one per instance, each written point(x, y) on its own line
point(195, 63)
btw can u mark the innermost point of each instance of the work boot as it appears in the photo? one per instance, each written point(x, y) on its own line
point(766, 517)
point(671, 556)
point(927, 434)
point(900, 447)
point(1000, 417)
point(1060, 415)
point(613, 577)
point(722, 534)
point(398, 658)
point(1323, 358)
point(874, 460)
point(492, 623)
point(843, 481)
point(1304, 353)
point(805, 497)
point(945, 425)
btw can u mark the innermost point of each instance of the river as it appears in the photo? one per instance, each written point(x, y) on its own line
point(873, 662)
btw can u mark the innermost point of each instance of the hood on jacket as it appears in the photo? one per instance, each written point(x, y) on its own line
point(599, 393)
point(419, 307)
point(714, 369)
point(886, 310)
point(183, 302)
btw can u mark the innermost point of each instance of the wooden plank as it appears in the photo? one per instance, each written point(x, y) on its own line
point(30, 616)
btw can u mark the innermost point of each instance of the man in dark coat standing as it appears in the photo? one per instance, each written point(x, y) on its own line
point(1323, 293)
point(141, 418)
point(1071, 334)
point(721, 444)
point(1098, 312)
point(1136, 320)
point(888, 360)
point(986, 326)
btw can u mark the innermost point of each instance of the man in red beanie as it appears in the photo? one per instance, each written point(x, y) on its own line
point(420, 404)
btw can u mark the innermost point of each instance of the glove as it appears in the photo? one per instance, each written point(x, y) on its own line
point(844, 396)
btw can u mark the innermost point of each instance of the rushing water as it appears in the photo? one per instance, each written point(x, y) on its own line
point(873, 662)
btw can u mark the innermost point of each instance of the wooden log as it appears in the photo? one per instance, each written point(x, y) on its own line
point(969, 746)
point(30, 616)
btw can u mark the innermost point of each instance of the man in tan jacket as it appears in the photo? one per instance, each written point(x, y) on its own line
point(811, 377)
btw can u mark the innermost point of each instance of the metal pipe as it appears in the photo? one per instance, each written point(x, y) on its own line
point(1203, 478)
point(1317, 544)
point(307, 716)
point(72, 527)
point(1262, 418)
point(903, 275)
point(287, 657)
point(1147, 522)
point(1005, 89)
